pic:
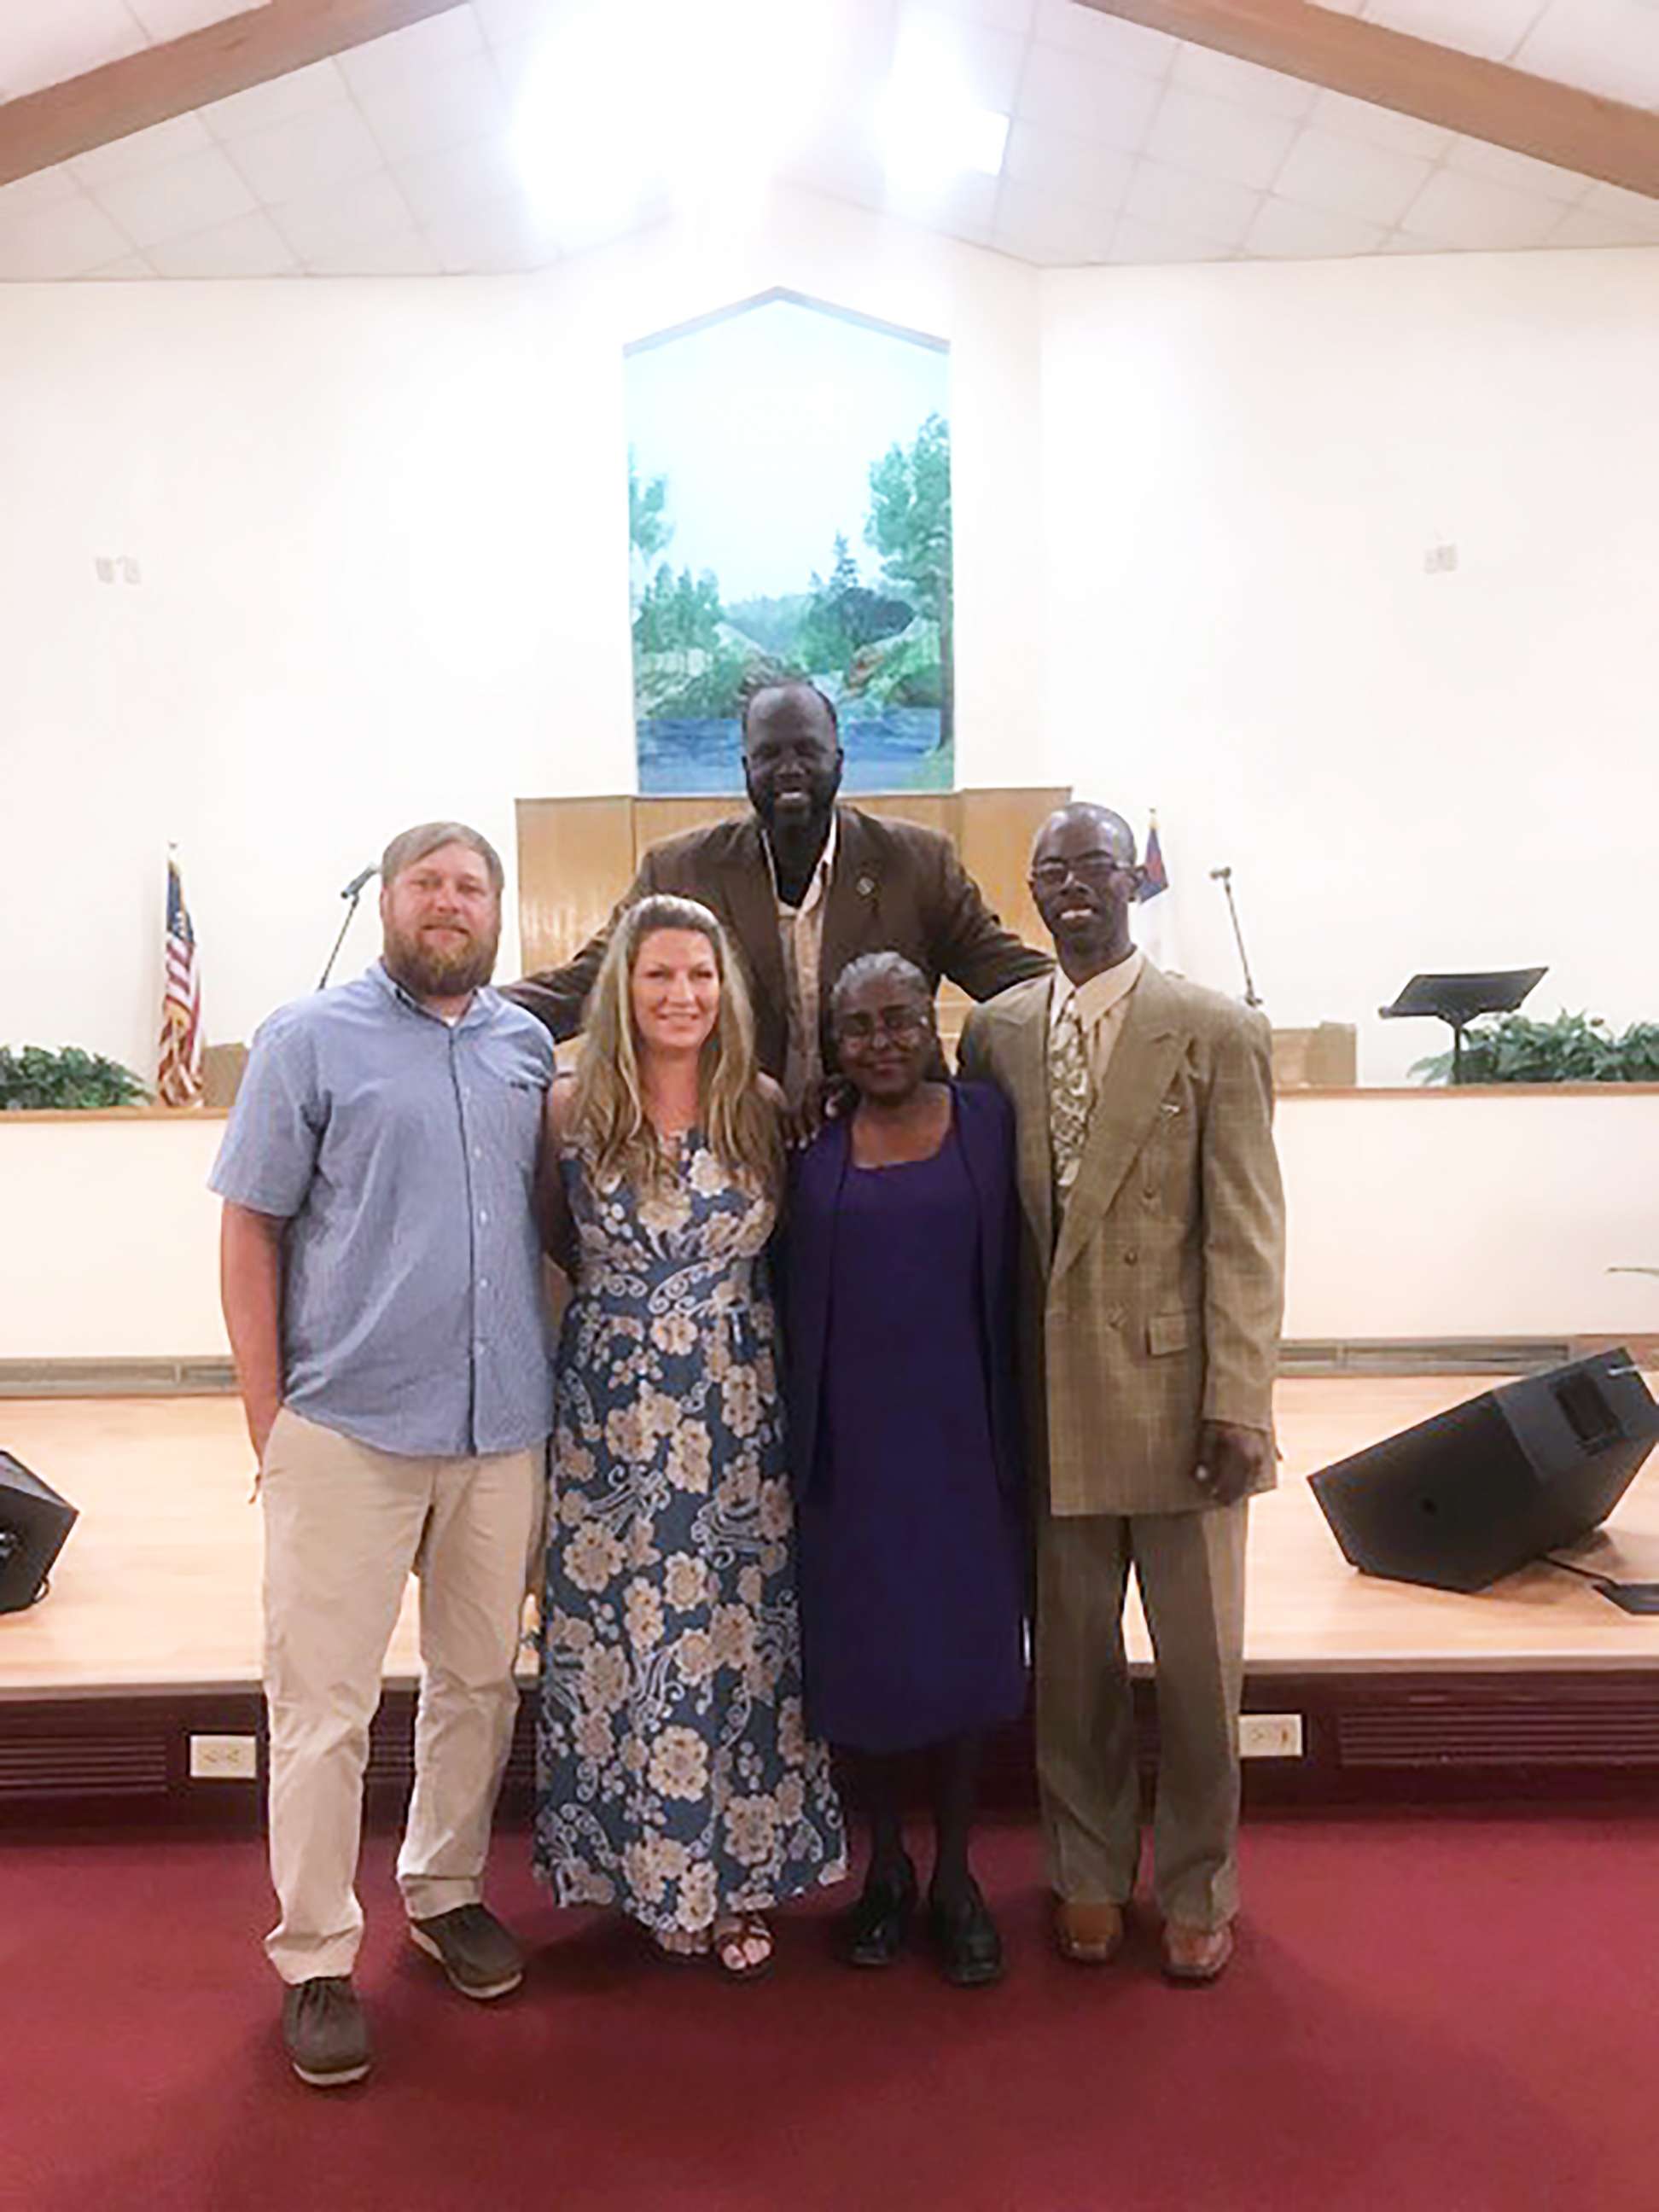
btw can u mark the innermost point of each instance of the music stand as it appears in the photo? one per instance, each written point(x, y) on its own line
point(1460, 999)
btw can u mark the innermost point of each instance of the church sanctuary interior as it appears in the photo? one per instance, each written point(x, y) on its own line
point(449, 411)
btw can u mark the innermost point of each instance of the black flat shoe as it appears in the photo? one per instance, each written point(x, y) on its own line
point(965, 1940)
point(877, 1929)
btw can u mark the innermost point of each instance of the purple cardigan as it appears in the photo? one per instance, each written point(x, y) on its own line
point(984, 1124)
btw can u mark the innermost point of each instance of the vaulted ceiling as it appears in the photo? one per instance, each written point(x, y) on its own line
point(205, 138)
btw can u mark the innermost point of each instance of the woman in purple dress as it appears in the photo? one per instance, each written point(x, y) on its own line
point(904, 1449)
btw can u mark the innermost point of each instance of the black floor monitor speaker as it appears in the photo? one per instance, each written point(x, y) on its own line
point(1475, 1493)
point(33, 1522)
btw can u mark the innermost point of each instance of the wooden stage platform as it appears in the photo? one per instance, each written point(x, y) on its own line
point(149, 1636)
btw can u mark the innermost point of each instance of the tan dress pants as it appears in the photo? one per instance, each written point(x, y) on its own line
point(344, 1527)
point(1190, 1569)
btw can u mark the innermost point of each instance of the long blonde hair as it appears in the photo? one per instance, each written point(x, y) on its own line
point(609, 1122)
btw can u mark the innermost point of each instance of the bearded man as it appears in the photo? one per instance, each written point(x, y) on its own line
point(381, 1280)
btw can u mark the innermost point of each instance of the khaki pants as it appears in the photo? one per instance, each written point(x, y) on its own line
point(344, 1526)
point(1190, 1568)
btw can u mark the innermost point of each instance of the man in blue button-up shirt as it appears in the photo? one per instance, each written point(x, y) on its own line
point(383, 1294)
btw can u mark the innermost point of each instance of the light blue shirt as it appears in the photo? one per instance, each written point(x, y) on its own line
point(401, 1150)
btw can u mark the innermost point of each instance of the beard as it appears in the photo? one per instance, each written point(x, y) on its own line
point(435, 970)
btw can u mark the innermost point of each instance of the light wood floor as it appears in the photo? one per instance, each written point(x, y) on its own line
point(158, 1586)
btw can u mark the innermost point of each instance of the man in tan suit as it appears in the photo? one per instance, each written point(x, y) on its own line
point(1153, 1286)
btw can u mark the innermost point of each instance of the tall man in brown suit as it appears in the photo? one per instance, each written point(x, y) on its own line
point(1153, 1286)
point(803, 886)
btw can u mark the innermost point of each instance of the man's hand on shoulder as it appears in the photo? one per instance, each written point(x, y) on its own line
point(1231, 1460)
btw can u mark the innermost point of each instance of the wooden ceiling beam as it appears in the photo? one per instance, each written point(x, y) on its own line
point(1479, 99)
point(43, 128)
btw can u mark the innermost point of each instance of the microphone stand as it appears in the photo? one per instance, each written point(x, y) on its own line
point(351, 894)
point(1224, 877)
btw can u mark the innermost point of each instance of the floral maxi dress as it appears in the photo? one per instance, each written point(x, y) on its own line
point(674, 1774)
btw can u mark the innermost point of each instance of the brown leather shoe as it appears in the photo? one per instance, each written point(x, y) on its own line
point(1196, 1954)
point(1088, 1934)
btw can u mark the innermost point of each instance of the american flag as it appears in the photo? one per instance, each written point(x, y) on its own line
point(180, 1080)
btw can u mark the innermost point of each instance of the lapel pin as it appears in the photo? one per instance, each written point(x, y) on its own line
point(867, 887)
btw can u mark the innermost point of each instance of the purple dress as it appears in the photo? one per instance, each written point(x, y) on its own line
point(911, 1552)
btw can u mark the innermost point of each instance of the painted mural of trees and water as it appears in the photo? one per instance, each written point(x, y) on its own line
point(789, 514)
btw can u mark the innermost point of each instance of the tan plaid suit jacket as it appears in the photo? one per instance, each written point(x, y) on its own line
point(1157, 1304)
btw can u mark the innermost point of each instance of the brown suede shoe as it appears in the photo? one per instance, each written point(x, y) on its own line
point(1088, 1934)
point(1196, 1954)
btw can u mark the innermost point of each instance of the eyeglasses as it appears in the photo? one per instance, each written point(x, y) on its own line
point(1096, 868)
point(904, 1024)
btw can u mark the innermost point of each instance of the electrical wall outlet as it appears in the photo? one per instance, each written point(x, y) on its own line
point(224, 1759)
point(1270, 1735)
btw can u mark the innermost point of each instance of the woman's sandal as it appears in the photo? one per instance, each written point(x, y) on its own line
point(735, 1939)
point(678, 1947)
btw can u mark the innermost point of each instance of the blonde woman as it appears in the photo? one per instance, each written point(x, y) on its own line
point(675, 1777)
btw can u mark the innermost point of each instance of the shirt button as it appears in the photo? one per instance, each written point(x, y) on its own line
point(483, 1282)
point(1130, 1257)
point(483, 1216)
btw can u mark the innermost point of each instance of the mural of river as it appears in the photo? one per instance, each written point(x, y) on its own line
point(894, 748)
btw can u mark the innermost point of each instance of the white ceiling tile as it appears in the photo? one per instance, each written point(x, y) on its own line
point(1200, 68)
point(1633, 208)
point(424, 114)
point(154, 148)
point(302, 92)
point(1474, 157)
point(1588, 226)
point(965, 208)
point(1344, 177)
point(491, 238)
point(252, 246)
point(1218, 138)
point(1609, 47)
point(44, 189)
point(1056, 162)
point(63, 240)
point(439, 186)
point(1286, 231)
point(846, 172)
point(1452, 210)
point(1136, 241)
point(1380, 126)
point(1491, 28)
point(1401, 241)
point(425, 52)
point(1199, 207)
point(129, 266)
point(1050, 230)
point(406, 253)
point(1016, 16)
point(331, 146)
point(186, 195)
point(43, 44)
point(503, 21)
point(1104, 39)
point(987, 61)
point(1069, 92)
point(173, 18)
point(336, 216)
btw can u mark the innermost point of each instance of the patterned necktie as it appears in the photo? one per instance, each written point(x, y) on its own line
point(1068, 1092)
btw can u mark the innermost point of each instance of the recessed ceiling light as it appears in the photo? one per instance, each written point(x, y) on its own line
point(932, 128)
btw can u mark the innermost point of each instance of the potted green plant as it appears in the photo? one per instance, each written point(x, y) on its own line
point(32, 1079)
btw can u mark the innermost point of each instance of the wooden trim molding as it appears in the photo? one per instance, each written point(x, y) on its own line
point(43, 128)
point(1479, 99)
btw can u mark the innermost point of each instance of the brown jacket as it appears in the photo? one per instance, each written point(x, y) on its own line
point(1158, 1304)
point(897, 888)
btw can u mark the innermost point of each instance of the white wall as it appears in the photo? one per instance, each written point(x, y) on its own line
point(1481, 1215)
point(382, 530)
point(382, 537)
point(1245, 466)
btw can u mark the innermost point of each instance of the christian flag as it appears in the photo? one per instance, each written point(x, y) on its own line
point(178, 1080)
point(1156, 930)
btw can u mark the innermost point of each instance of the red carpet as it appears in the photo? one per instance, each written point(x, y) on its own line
point(1448, 2014)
